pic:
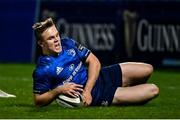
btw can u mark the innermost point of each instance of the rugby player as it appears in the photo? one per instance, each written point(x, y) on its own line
point(67, 67)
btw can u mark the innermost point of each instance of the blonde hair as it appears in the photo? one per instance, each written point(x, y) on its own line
point(40, 27)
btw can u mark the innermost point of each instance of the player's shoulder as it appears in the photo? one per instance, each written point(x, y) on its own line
point(66, 41)
point(43, 65)
point(38, 73)
point(45, 61)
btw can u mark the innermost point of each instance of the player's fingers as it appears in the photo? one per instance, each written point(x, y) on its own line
point(83, 99)
point(79, 89)
point(78, 85)
point(75, 85)
point(85, 103)
point(75, 93)
point(78, 94)
point(72, 94)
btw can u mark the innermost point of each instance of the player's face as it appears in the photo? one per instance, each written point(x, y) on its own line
point(51, 41)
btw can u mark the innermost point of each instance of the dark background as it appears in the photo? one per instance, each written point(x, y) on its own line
point(17, 43)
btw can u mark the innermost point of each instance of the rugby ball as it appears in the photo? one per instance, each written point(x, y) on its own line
point(68, 101)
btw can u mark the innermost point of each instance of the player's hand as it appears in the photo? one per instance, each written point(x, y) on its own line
point(87, 98)
point(71, 89)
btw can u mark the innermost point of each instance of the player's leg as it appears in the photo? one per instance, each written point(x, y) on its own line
point(134, 73)
point(135, 95)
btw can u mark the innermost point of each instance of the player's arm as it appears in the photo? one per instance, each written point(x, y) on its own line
point(47, 97)
point(94, 67)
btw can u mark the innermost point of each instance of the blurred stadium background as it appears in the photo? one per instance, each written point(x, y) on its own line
point(114, 30)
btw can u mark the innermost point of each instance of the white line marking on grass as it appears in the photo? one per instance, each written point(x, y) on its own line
point(15, 78)
point(170, 87)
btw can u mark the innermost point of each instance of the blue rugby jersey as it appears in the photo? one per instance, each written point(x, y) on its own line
point(67, 66)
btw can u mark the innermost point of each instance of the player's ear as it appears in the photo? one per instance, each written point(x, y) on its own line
point(40, 43)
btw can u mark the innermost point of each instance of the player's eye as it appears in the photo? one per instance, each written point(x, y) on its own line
point(50, 38)
point(57, 35)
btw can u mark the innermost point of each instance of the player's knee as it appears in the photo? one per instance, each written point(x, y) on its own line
point(154, 90)
point(149, 69)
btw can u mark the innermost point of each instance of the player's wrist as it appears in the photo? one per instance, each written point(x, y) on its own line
point(58, 90)
point(87, 90)
point(88, 86)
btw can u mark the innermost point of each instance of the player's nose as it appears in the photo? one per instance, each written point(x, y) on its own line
point(55, 40)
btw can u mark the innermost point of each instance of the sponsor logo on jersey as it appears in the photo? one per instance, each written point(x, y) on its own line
point(104, 103)
point(58, 70)
point(71, 67)
point(87, 53)
point(73, 73)
point(80, 47)
point(71, 52)
point(47, 58)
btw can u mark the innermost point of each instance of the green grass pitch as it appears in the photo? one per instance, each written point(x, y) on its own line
point(16, 79)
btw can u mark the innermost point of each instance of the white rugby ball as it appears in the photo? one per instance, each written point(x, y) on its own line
point(69, 102)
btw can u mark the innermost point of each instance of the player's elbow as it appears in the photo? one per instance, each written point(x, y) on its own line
point(38, 101)
point(98, 65)
point(36, 104)
point(93, 60)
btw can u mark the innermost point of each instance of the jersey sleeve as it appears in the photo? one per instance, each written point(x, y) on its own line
point(81, 50)
point(40, 82)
